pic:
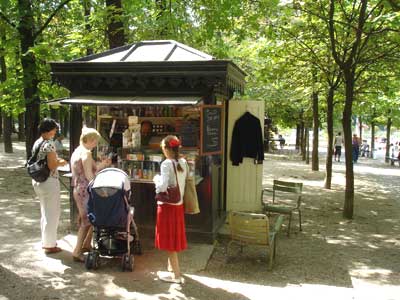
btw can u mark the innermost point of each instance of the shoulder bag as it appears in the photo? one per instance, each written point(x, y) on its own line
point(172, 195)
point(38, 170)
point(190, 200)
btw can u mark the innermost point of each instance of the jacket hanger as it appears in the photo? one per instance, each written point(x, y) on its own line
point(249, 110)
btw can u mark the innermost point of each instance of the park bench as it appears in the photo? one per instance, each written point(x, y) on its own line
point(286, 199)
point(253, 229)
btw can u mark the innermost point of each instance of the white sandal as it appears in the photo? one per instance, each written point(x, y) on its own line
point(170, 279)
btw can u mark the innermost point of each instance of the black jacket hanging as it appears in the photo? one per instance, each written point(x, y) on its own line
point(247, 140)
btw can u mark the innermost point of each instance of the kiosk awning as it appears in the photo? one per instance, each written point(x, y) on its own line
point(111, 100)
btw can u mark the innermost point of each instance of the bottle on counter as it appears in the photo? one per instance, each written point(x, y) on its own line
point(133, 172)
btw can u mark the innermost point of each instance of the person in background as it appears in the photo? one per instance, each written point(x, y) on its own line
point(355, 143)
point(398, 157)
point(281, 141)
point(338, 146)
point(48, 191)
point(146, 132)
point(84, 169)
point(170, 232)
point(364, 149)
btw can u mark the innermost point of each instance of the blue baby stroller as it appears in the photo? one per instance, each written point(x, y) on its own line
point(114, 230)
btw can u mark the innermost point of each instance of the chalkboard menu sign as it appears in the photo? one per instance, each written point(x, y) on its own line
point(211, 129)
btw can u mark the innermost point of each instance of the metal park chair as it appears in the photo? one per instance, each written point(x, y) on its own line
point(286, 199)
point(253, 229)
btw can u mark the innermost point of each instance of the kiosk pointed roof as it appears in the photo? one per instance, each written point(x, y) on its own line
point(149, 68)
point(155, 51)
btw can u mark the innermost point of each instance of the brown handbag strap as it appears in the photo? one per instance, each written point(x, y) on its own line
point(176, 176)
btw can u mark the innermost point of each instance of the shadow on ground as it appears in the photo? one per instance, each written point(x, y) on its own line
point(346, 255)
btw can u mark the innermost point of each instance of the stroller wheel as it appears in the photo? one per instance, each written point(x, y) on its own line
point(92, 261)
point(127, 262)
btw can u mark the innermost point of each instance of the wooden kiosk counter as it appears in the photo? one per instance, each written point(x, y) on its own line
point(145, 91)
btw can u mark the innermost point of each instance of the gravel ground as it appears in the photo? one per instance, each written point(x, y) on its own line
point(332, 258)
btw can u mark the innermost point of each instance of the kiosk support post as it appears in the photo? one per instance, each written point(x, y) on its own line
point(75, 132)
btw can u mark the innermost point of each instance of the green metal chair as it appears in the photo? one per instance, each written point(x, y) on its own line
point(253, 229)
point(286, 199)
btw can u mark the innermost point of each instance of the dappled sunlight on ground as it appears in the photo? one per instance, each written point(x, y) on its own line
point(332, 258)
point(254, 291)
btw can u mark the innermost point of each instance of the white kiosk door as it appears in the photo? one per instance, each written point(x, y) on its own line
point(244, 182)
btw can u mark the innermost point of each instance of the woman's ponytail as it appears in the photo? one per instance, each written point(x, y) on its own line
point(177, 156)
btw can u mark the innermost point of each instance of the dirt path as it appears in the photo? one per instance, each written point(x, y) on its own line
point(331, 259)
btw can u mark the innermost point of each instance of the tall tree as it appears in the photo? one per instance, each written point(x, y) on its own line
point(6, 117)
point(388, 131)
point(333, 81)
point(88, 27)
point(315, 109)
point(355, 31)
point(26, 32)
point(115, 26)
point(29, 32)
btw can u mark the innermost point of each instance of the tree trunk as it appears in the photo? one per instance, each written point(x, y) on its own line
point(21, 127)
point(55, 114)
point(88, 28)
point(347, 111)
point(298, 136)
point(1, 122)
point(307, 140)
point(315, 158)
point(303, 141)
point(6, 116)
point(266, 138)
point(3, 66)
point(301, 138)
point(162, 9)
point(329, 117)
point(371, 150)
point(65, 120)
point(360, 128)
point(7, 125)
point(115, 27)
point(30, 81)
point(388, 129)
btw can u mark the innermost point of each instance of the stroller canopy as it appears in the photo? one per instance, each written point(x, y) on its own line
point(108, 204)
point(112, 178)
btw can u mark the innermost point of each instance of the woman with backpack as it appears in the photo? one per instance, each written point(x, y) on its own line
point(48, 191)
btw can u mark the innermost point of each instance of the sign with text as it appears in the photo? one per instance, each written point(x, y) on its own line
point(211, 129)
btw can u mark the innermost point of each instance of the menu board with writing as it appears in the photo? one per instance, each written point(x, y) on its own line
point(211, 129)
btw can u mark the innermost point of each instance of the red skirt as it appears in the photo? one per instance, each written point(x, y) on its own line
point(170, 228)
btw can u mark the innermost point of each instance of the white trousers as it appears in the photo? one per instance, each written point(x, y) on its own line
point(49, 196)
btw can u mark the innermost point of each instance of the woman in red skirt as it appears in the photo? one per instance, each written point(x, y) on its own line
point(170, 233)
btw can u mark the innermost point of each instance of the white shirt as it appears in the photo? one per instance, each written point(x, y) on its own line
point(338, 140)
point(167, 178)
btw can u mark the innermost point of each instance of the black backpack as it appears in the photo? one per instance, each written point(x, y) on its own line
point(38, 170)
